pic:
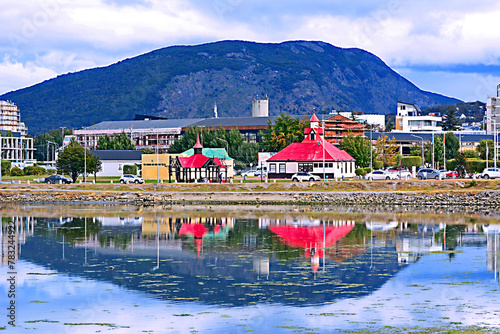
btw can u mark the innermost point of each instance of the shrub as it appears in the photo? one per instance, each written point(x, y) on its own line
point(34, 170)
point(361, 171)
point(16, 171)
point(411, 161)
point(368, 170)
point(377, 164)
point(130, 169)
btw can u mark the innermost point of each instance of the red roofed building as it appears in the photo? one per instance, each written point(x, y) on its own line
point(337, 127)
point(197, 167)
point(309, 156)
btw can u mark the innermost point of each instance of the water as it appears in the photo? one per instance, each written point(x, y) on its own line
point(84, 268)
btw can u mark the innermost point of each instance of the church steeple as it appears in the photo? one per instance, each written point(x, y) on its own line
point(198, 148)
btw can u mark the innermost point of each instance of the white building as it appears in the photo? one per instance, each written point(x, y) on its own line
point(260, 108)
point(493, 113)
point(114, 160)
point(408, 120)
point(14, 144)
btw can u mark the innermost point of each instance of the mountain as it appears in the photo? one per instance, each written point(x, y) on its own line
point(186, 82)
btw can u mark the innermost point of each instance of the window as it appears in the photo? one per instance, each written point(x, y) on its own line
point(330, 165)
point(305, 167)
point(272, 168)
point(120, 167)
point(282, 168)
point(315, 165)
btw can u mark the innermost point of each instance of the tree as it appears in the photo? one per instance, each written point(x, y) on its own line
point(186, 141)
point(462, 165)
point(71, 161)
point(438, 150)
point(481, 149)
point(359, 148)
point(452, 145)
point(120, 141)
point(51, 138)
point(283, 132)
point(387, 150)
point(450, 122)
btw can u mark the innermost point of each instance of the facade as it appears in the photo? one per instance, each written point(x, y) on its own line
point(314, 155)
point(493, 113)
point(161, 133)
point(408, 120)
point(155, 166)
point(114, 160)
point(197, 167)
point(337, 127)
point(219, 153)
point(374, 120)
point(14, 145)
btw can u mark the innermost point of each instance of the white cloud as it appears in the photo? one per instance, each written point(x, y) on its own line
point(17, 75)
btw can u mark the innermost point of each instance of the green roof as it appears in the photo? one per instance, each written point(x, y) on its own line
point(211, 153)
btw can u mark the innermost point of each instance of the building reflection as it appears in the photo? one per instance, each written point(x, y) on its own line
point(24, 227)
point(493, 249)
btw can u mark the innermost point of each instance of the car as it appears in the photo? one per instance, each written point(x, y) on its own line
point(57, 179)
point(248, 173)
point(399, 171)
point(381, 175)
point(303, 176)
point(129, 178)
point(490, 173)
point(448, 174)
point(428, 173)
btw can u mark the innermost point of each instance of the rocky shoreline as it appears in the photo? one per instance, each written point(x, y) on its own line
point(480, 199)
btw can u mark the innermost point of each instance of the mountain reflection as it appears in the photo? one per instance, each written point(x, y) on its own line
point(240, 261)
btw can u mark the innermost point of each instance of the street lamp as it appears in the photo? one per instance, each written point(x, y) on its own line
point(157, 158)
point(422, 147)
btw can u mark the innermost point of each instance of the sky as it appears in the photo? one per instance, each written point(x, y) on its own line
point(450, 47)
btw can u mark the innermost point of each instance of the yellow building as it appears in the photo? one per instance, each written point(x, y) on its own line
point(153, 169)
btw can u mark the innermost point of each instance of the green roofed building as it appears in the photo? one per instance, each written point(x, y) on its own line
point(219, 153)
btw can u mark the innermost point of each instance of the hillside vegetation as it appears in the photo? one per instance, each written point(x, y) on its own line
point(186, 81)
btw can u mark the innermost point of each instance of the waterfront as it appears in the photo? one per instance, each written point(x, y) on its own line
point(84, 268)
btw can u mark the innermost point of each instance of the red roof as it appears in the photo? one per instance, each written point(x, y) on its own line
point(197, 161)
point(314, 118)
point(194, 161)
point(311, 150)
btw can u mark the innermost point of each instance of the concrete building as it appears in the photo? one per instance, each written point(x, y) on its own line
point(493, 113)
point(260, 108)
point(408, 120)
point(14, 144)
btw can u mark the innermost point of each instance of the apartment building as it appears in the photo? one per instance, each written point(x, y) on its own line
point(409, 120)
point(493, 113)
point(14, 143)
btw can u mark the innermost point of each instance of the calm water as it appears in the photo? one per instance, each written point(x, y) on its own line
point(83, 269)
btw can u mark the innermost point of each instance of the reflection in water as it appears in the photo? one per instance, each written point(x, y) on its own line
point(241, 261)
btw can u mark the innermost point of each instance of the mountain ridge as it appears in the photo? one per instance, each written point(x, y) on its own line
point(186, 81)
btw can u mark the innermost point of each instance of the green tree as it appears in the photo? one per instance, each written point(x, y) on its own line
point(359, 148)
point(450, 122)
point(6, 166)
point(52, 138)
point(387, 150)
point(438, 151)
point(184, 142)
point(481, 149)
point(452, 145)
point(72, 161)
point(120, 141)
point(283, 132)
point(462, 165)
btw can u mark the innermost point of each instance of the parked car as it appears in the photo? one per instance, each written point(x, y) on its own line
point(129, 178)
point(381, 175)
point(490, 173)
point(428, 173)
point(399, 171)
point(303, 176)
point(448, 174)
point(55, 179)
point(248, 173)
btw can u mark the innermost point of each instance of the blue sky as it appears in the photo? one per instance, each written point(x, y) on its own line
point(448, 47)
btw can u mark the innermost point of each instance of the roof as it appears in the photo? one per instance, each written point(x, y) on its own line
point(311, 150)
point(198, 144)
point(210, 152)
point(125, 155)
point(235, 121)
point(198, 161)
point(145, 124)
point(339, 117)
point(314, 118)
